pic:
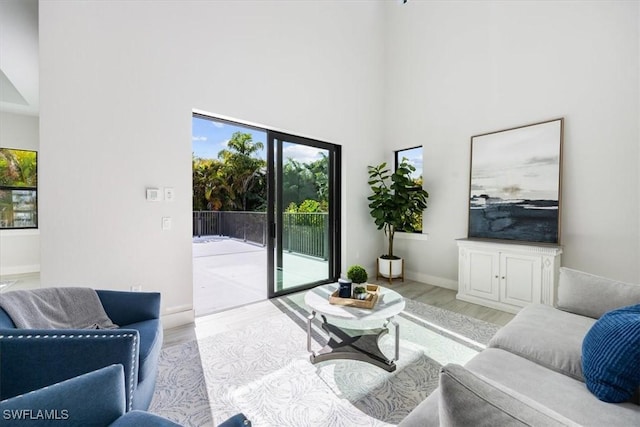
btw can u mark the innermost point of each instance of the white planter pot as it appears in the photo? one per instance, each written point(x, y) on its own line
point(390, 268)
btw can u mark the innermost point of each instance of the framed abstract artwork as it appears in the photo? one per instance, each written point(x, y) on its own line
point(515, 183)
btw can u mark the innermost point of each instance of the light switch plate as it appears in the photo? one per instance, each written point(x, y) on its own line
point(166, 223)
point(168, 194)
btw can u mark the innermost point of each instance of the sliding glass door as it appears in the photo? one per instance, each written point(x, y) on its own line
point(303, 212)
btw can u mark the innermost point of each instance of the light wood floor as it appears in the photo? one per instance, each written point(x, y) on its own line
point(241, 316)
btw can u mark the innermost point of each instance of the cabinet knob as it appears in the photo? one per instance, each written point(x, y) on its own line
point(502, 277)
point(496, 276)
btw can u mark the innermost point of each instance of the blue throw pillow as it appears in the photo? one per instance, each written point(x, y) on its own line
point(611, 355)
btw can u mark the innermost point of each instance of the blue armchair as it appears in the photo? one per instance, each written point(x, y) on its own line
point(93, 399)
point(34, 358)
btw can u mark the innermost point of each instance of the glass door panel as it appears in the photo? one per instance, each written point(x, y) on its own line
point(303, 213)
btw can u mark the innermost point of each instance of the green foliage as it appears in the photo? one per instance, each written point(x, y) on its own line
point(292, 208)
point(310, 206)
point(359, 290)
point(357, 274)
point(306, 181)
point(395, 201)
point(18, 168)
point(307, 207)
point(245, 174)
point(236, 181)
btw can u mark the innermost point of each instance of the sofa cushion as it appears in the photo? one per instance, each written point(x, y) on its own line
point(469, 399)
point(562, 394)
point(150, 332)
point(546, 336)
point(582, 293)
point(611, 355)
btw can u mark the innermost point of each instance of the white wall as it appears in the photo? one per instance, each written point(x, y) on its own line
point(457, 69)
point(19, 58)
point(118, 84)
point(19, 249)
point(119, 81)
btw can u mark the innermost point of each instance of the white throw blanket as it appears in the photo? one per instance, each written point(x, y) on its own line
point(56, 308)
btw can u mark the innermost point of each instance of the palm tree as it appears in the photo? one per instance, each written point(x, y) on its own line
point(218, 193)
point(244, 173)
point(241, 143)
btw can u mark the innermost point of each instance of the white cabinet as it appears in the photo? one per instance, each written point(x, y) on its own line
point(507, 276)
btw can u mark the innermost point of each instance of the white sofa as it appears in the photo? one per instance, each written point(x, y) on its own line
point(531, 372)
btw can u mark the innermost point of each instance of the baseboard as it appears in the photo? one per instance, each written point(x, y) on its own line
point(433, 280)
point(181, 318)
point(488, 303)
point(20, 269)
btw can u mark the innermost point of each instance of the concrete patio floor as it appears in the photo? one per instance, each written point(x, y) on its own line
point(229, 273)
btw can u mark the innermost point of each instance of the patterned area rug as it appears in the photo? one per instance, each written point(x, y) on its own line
point(263, 370)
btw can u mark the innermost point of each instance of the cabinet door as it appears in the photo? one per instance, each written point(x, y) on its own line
point(483, 275)
point(520, 279)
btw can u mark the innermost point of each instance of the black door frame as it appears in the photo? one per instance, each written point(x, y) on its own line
point(274, 232)
point(275, 209)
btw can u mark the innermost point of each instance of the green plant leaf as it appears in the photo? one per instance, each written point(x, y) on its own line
point(396, 199)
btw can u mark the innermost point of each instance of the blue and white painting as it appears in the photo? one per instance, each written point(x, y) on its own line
point(515, 184)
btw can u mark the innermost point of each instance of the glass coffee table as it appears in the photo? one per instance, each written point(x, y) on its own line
point(343, 345)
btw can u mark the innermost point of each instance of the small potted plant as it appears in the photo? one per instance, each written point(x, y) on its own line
point(357, 274)
point(360, 292)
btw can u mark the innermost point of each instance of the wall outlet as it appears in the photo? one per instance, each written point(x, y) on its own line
point(136, 288)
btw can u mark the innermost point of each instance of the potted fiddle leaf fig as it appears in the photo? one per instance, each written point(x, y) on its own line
point(393, 204)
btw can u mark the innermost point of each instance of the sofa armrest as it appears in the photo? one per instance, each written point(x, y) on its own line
point(592, 296)
point(125, 308)
point(95, 398)
point(468, 399)
point(31, 359)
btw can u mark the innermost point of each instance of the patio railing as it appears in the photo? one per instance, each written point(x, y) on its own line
point(302, 233)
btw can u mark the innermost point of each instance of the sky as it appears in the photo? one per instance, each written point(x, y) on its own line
point(209, 137)
point(414, 157)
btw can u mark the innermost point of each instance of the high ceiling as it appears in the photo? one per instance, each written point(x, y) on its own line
point(19, 89)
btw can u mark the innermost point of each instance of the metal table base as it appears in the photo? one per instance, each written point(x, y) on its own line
point(364, 347)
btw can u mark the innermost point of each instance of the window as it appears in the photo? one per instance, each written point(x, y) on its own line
point(18, 189)
point(413, 156)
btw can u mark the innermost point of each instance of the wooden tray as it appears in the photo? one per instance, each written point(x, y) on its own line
point(372, 297)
